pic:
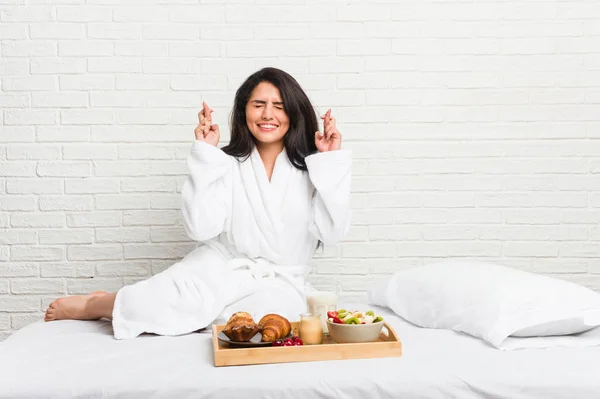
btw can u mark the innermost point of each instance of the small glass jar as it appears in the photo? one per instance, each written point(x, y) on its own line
point(310, 329)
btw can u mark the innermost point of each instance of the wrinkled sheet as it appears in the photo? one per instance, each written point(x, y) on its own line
point(75, 359)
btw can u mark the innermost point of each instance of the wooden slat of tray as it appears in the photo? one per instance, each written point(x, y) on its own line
point(386, 346)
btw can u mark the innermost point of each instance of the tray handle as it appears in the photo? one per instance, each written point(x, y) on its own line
point(385, 332)
point(390, 333)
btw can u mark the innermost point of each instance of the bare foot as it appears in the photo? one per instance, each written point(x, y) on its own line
point(70, 307)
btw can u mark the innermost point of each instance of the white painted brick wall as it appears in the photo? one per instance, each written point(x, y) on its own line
point(474, 126)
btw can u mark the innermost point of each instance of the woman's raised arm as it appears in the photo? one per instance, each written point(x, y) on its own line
point(205, 202)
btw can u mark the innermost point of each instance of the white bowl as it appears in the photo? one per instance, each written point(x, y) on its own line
point(351, 333)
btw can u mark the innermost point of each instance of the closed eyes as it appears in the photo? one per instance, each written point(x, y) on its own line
point(260, 103)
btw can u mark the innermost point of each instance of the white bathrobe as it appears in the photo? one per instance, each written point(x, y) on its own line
point(256, 238)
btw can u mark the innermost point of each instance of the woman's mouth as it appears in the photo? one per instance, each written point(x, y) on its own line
point(267, 127)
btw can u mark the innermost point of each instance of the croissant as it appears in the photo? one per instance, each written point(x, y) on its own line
point(241, 327)
point(274, 327)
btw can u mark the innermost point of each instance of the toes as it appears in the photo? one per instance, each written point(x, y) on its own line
point(49, 315)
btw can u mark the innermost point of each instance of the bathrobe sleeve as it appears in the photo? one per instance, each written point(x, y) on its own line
point(330, 173)
point(205, 205)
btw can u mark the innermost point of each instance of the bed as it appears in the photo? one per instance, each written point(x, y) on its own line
point(74, 359)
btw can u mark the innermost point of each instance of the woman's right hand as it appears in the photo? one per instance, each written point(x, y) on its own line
point(206, 131)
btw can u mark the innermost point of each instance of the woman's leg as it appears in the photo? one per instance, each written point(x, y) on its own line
point(93, 306)
point(142, 300)
point(186, 297)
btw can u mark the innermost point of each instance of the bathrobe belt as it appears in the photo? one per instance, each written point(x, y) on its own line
point(262, 268)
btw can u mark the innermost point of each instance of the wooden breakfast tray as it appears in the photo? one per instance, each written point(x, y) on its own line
point(388, 345)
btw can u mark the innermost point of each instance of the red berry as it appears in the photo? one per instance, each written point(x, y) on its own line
point(338, 320)
point(298, 342)
point(277, 343)
point(288, 343)
point(332, 314)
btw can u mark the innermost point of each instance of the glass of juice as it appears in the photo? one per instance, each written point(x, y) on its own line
point(310, 330)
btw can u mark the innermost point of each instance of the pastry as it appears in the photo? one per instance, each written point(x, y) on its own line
point(241, 327)
point(274, 327)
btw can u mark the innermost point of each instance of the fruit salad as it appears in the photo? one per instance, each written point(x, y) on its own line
point(343, 316)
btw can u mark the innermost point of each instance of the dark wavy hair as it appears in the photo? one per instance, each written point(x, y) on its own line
point(299, 141)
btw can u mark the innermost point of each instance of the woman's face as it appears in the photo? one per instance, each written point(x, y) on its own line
point(265, 114)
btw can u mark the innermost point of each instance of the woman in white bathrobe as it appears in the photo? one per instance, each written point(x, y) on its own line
point(258, 207)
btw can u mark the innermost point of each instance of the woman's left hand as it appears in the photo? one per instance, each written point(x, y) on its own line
point(330, 140)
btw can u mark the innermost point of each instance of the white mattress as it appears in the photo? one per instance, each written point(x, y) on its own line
point(72, 359)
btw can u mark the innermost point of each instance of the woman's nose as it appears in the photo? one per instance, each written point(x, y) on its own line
point(267, 112)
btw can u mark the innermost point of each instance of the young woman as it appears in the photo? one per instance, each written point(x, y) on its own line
point(258, 207)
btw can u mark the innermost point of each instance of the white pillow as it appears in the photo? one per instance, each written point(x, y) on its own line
point(488, 301)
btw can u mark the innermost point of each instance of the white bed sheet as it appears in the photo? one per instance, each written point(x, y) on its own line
point(73, 359)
